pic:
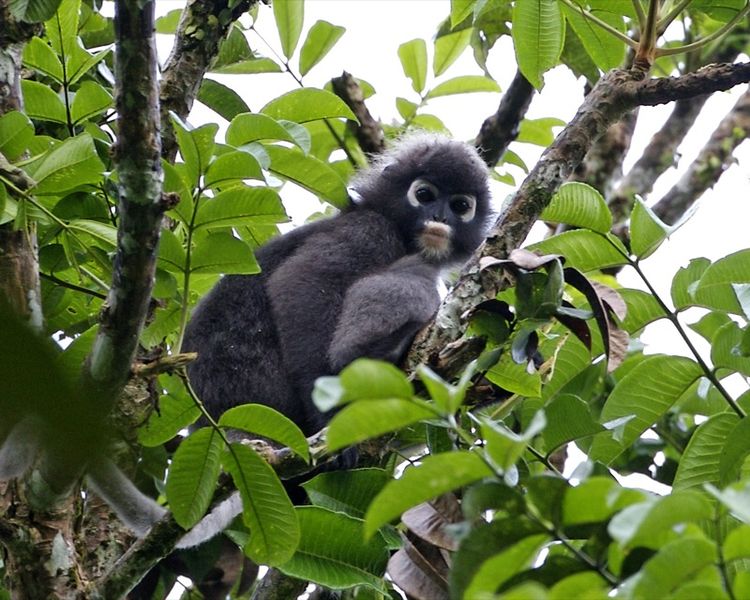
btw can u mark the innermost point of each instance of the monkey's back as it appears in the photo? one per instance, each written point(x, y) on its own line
point(264, 338)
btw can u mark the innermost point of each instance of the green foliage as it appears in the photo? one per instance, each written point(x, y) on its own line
point(556, 369)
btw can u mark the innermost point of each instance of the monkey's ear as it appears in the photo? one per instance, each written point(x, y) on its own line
point(355, 198)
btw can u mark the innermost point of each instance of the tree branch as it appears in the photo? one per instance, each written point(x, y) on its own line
point(659, 155)
point(203, 25)
point(499, 130)
point(714, 158)
point(614, 95)
point(138, 163)
point(368, 131)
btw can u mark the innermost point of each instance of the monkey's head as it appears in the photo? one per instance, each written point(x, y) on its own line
point(435, 190)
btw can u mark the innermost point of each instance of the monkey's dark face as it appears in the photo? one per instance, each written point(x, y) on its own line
point(435, 190)
point(440, 213)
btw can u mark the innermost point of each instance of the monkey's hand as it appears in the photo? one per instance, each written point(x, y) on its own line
point(383, 311)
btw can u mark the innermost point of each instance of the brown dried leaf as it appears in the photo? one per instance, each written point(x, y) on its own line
point(429, 519)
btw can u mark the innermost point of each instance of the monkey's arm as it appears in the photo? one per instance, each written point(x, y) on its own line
point(383, 311)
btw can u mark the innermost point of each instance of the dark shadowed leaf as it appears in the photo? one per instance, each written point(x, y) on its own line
point(332, 551)
point(266, 508)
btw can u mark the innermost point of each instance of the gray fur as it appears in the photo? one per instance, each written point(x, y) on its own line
point(360, 284)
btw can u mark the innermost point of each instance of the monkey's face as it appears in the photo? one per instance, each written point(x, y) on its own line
point(441, 215)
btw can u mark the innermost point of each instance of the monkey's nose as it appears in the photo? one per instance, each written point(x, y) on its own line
point(440, 218)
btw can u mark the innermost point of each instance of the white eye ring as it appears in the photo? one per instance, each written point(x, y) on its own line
point(469, 213)
point(416, 185)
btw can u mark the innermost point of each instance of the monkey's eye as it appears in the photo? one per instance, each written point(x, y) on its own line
point(463, 206)
point(424, 195)
point(421, 192)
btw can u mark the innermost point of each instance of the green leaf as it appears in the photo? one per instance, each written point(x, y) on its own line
point(643, 309)
point(232, 168)
point(234, 48)
point(67, 166)
point(249, 67)
point(269, 423)
point(596, 500)
point(176, 411)
point(82, 61)
point(320, 39)
point(16, 132)
point(289, 16)
point(349, 492)
point(370, 418)
point(241, 206)
point(192, 476)
point(62, 28)
point(39, 56)
point(460, 10)
point(644, 394)
point(515, 378)
point(724, 349)
point(737, 543)
point(221, 99)
point(647, 232)
point(196, 147)
point(33, 11)
point(223, 253)
point(167, 24)
point(465, 84)
point(584, 250)
point(736, 450)
point(337, 561)
point(604, 48)
point(700, 460)
point(246, 128)
point(367, 379)
point(735, 497)
point(504, 446)
point(435, 475)
point(310, 173)
point(568, 419)
point(483, 543)
point(308, 104)
point(413, 56)
point(715, 288)
point(266, 508)
point(538, 131)
point(448, 48)
point(498, 569)
point(90, 99)
point(538, 35)
point(580, 205)
point(103, 233)
point(172, 255)
point(40, 102)
point(645, 522)
point(686, 280)
point(677, 562)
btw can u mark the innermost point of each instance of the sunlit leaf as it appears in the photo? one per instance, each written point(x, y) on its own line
point(289, 16)
point(413, 56)
point(320, 39)
point(538, 34)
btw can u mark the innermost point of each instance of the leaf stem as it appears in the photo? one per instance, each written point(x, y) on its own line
point(667, 19)
point(640, 14)
point(708, 39)
point(672, 316)
point(603, 24)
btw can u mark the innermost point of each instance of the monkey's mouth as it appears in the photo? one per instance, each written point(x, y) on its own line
point(435, 240)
